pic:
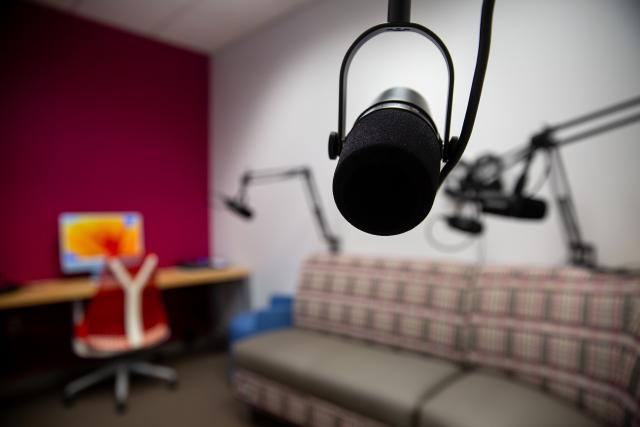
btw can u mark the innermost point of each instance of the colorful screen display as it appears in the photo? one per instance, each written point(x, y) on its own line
point(86, 239)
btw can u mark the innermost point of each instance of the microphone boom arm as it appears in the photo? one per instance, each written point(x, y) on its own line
point(264, 176)
point(581, 253)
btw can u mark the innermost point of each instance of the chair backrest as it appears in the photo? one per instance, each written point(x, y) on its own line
point(126, 313)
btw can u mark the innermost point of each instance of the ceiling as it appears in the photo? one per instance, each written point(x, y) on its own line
point(201, 25)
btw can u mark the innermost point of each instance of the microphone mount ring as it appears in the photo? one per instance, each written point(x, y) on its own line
point(453, 148)
point(365, 37)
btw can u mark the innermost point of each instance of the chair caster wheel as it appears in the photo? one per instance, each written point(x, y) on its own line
point(67, 401)
point(251, 415)
point(121, 407)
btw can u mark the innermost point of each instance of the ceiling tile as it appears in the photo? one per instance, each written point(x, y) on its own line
point(136, 15)
point(203, 25)
point(210, 24)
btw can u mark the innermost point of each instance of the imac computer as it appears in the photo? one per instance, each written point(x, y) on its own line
point(87, 239)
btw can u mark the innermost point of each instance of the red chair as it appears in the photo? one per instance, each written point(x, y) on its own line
point(126, 315)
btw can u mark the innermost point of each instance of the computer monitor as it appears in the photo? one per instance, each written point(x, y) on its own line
point(86, 239)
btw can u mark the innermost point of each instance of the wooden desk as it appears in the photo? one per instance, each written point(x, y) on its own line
point(67, 290)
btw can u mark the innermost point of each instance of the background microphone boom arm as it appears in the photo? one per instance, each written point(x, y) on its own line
point(482, 179)
point(239, 206)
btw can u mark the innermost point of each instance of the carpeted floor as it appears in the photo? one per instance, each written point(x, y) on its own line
point(202, 398)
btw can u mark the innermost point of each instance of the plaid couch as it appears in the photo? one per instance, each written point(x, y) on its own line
point(569, 333)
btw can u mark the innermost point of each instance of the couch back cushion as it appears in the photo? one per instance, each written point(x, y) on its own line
point(414, 305)
point(568, 330)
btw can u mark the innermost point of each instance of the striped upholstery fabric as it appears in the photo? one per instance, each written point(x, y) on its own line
point(292, 405)
point(574, 333)
point(418, 306)
point(629, 372)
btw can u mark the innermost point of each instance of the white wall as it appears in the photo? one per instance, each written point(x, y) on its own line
point(274, 102)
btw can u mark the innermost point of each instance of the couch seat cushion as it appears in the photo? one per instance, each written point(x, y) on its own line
point(381, 383)
point(286, 355)
point(486, 400)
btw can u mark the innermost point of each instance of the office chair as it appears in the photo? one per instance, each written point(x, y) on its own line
point(125, 316)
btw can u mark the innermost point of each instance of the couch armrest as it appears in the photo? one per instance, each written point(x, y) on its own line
point(282, 301)
point(274, 318)
point(277, 316)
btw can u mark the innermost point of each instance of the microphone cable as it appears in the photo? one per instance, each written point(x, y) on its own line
point(434, 242)
point(482, 60)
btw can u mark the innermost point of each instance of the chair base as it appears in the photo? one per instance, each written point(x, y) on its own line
point(121, 370)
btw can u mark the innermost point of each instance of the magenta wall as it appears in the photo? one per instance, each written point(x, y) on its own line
point(96, 119)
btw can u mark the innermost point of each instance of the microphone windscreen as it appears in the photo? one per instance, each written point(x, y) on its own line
point(238, 208)
point(387, 176)
point(529, 208)
point(514, 207)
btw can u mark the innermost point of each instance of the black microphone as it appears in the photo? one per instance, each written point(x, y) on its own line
point(514, 206)
point(464, 224)
point(388, 173)
point(238, 207)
